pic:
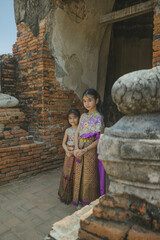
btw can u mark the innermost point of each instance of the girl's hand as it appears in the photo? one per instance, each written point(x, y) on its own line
point(76, 152)
point(80, 153)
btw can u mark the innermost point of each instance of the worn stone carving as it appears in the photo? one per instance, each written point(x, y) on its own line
point(138, 92)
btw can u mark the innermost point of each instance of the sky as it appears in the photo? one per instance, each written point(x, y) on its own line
point(8, 30)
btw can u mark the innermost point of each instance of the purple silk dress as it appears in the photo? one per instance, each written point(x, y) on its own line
point(92, 125)
point(89, 181)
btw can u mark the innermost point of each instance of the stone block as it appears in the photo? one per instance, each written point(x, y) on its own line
point(67, 228)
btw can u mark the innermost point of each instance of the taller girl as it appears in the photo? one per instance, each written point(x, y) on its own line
point(89, 171)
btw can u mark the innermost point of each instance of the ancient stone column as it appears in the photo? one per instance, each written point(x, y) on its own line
point(130, 152)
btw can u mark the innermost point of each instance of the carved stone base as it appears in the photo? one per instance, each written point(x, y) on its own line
point(130, 152)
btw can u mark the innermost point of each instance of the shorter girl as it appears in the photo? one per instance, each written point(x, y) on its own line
point(66, 183)
point(89, 171)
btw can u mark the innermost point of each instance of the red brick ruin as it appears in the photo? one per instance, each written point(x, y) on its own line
point(29, 75)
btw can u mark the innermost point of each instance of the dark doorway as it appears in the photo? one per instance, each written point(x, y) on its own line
point(130, 50)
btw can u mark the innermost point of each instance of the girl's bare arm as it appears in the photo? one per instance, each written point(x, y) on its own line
point(65, 141)
point(76, 138)
point(91, 146)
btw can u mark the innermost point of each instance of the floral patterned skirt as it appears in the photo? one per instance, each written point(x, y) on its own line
point(65, 191)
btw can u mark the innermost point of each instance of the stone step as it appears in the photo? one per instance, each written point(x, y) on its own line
point(68, 227)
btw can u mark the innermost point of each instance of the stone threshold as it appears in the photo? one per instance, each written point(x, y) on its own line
point(68, 227)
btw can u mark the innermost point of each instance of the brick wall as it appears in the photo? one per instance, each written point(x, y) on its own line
point(41, 96)
point(37, 146)
point(20, 156)
point(30, 76)
point(8, 74)
point(23, 160)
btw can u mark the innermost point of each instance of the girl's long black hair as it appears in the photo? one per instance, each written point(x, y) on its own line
point(95, 94)
point(74, 111)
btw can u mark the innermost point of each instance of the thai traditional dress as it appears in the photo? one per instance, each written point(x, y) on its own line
point(89, 184)
point(65, 191)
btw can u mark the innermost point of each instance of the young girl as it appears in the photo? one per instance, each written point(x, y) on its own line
point(88, 186)
point(66, 183)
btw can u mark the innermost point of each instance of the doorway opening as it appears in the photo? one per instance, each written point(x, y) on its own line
point(130, 50)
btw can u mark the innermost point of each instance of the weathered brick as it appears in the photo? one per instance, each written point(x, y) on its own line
point(139, 233)
point(104, 229)
point(156, 225)
point(87, 236)
point(110, 214)
point(144, 221)
point(110, 200)
point(138, 207)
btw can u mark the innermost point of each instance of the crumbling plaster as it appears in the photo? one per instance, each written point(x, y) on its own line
point(75, 45)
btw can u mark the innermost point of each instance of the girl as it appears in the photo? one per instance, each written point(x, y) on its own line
point(66, 183)
point(86, 186)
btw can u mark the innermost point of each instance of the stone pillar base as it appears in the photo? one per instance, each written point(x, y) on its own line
point(121, 216)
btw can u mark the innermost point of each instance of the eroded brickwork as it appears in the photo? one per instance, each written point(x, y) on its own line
point(30, 76)
point(8, 74)
point(24, 160)
point(121, 217)
point(41, 96)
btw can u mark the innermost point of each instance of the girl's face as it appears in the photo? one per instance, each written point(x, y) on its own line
point(73, 120)
point(90, 103)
